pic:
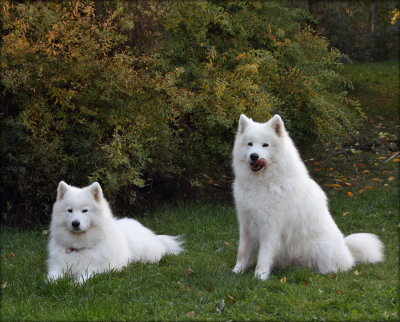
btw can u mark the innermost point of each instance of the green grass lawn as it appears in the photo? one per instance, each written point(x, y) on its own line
point(198, 284)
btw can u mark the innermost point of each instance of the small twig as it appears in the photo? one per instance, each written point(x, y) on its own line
point(392, 157)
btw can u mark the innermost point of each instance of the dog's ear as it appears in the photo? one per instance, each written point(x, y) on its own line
point(61, 190)
point(277, 124)
point(243, 122)
point(96, 191)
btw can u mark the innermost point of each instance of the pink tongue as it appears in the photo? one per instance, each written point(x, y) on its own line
point(261, 162)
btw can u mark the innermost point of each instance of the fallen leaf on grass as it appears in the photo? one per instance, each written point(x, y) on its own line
point(191, 313)
point(350, 194)
point(4, 285)
point(190, 271)
point(347, 184)
point(345, 213)
point(391, 178)
point(283, 280)
point(12, 255)
point(231, 299)
point(356, 273)
point(334, 185)
point(45, 232)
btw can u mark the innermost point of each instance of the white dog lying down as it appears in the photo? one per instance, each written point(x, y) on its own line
point(85, 238)
point(283, 214)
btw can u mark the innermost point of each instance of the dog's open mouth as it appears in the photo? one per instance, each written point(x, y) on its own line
point(258, 165)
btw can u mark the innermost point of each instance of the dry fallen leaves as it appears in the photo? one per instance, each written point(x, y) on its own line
point(231, 299)
point(189, 271)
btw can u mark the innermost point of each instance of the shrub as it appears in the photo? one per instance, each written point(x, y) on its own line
point(144, 95)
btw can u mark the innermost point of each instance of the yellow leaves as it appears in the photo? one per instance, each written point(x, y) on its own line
point(231, 299)
point(335, 185)
point(345, 213)
point(349, 194)
point(283, 280)
point(364, 189)
point(242, 56)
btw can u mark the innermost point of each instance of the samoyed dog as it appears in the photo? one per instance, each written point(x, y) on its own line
point(283, 214)
point(85, 238)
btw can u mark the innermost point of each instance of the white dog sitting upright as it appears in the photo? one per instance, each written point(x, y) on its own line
point(85, 238)
point(283, 213)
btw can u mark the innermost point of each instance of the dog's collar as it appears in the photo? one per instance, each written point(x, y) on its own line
point(73, 249)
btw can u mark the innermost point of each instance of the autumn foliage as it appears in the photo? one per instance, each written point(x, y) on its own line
point(143, 95)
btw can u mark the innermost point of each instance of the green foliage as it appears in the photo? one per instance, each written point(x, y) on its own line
point(365, 30)
point(135, 95)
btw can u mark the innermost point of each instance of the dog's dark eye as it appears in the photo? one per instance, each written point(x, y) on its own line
point(69, 210)
point(265, 145)
point(84, 210)
point(250, 144)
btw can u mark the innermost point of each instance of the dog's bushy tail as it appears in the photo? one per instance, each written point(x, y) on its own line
point(173, 244)
point(365, 247)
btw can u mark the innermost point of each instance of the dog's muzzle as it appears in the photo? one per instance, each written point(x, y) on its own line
point(258, 165)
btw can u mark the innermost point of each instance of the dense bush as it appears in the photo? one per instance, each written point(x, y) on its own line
point(147, 94)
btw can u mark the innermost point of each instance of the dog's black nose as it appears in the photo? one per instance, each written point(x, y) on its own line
point(254, 156)
point(75, 224)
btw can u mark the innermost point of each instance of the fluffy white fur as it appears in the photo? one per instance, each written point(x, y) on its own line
point(283, 214)
point(85, 238)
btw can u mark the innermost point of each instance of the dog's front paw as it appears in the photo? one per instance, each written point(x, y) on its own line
point(53, 276)
point(261, 272)
point(262, 276)
point(238, 269)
